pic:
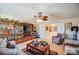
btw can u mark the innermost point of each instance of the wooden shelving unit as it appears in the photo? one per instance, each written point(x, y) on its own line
point(19, 38)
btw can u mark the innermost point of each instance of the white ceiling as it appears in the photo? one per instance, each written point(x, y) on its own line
point(27, 10)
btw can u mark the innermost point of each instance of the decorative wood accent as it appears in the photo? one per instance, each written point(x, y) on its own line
point(24, 39)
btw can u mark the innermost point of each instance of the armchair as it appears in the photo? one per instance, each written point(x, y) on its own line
point(59, 39)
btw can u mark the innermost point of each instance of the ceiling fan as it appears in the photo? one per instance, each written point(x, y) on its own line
point(41, 16)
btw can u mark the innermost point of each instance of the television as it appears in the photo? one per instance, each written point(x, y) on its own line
point(74, 27)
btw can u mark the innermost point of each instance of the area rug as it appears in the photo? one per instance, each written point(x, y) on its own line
point(33, 52)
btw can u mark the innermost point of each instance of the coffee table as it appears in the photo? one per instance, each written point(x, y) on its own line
point(40, 49)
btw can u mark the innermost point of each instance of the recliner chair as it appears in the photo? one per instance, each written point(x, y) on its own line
point(59, 39)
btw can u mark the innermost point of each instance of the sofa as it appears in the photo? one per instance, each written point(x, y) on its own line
point(59, 39)
point(9, 51)
point(71, 47)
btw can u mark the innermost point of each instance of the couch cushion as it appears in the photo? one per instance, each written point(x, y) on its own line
point(7, 51)
point(1, 40)
point(71, 50)
point(11, 44)
point(71, 41)
point(3, 43)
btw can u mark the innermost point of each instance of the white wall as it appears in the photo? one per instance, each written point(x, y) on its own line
point(60, 23)
point(75, 21)
point(60, 28)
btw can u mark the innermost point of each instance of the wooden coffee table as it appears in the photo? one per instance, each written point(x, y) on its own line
point(40, 49)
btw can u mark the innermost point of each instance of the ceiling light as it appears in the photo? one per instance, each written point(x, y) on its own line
point(39, 20)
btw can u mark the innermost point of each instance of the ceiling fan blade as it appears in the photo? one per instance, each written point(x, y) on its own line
point(44, 18)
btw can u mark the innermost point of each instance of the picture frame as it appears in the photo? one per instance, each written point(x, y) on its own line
point(47, 28)
point(68, 25)
point(52, 28)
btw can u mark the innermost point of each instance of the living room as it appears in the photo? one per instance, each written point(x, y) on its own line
point(39, 29)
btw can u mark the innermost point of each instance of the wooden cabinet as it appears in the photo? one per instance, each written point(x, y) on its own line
point(27, 38)
point(30, 27)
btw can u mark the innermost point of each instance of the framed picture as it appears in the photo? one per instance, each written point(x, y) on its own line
point(68, 25)
point(52, 28)
point(47, 28)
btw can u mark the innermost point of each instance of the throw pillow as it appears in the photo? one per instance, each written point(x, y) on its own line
point(35, 43)
point(11, 44)
point(44, 43)
point(3, 43)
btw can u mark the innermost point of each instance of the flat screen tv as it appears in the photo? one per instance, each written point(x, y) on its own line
point(74, 27)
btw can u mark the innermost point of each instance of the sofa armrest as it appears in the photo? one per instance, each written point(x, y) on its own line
point(7, 51)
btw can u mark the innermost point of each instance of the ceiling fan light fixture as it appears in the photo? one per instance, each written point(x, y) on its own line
point(39, 21)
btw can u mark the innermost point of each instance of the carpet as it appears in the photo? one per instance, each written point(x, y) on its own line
point(34, 52)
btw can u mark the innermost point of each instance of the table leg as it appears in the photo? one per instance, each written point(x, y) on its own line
point(27, 47)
